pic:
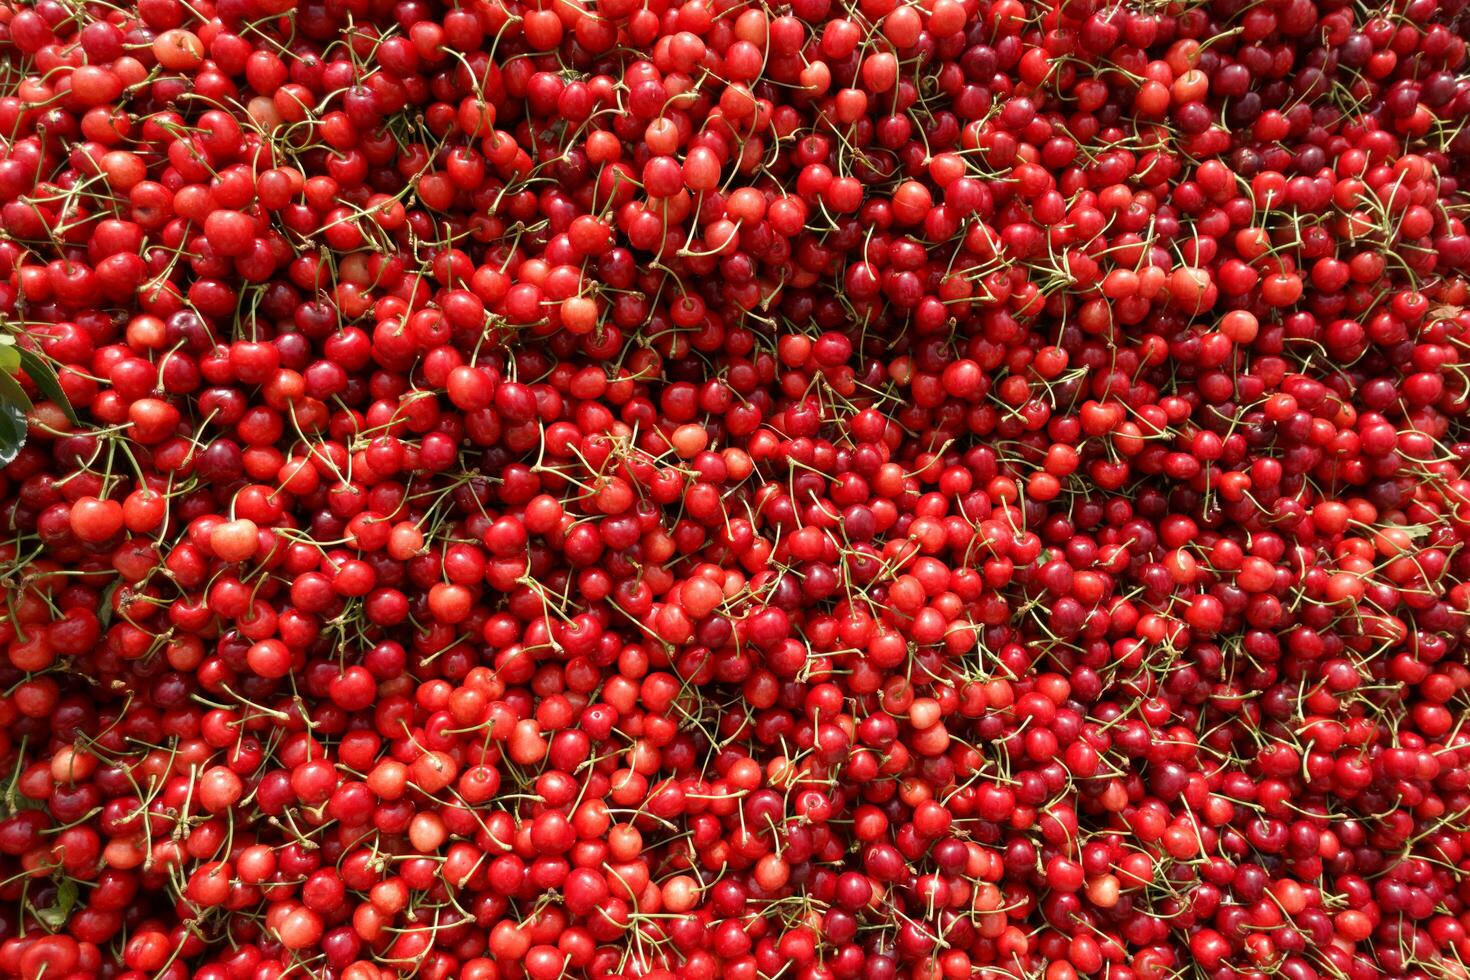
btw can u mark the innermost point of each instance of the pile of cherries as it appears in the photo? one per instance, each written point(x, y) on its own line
point(824, 490)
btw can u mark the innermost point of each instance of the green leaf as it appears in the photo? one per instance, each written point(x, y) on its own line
point(12, 431)
point(66, 899)
point(11, 393)
point(9, 356)
point(45, 378)
point(104, 614)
